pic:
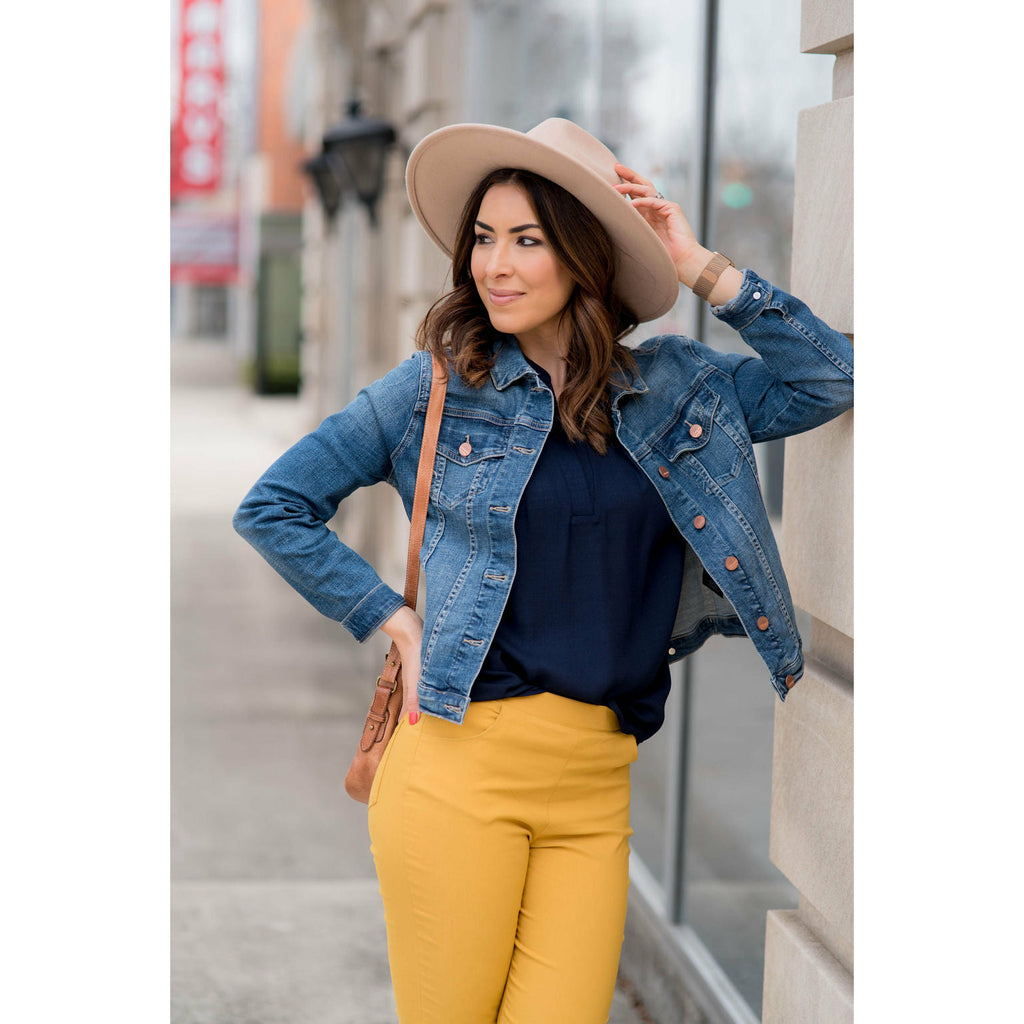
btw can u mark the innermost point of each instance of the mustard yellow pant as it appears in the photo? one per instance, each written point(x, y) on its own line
point(502, 850)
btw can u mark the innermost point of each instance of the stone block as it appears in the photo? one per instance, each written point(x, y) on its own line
point(409, 282)
point(450, 82)
point(811, 832)
point(383, 28)
point(826, 26)
point(822, 269)
point(803, 982)
point(842, 75)
point(432, 78)
point(417, 9)
point(831, 649)
point(415, 66)
point(422, 123)
point(410, 314)
point(816, 540)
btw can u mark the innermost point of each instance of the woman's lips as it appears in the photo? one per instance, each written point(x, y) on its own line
point(502, 298)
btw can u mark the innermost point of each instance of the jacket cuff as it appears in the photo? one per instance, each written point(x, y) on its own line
point(747, 304)
point(372, 612)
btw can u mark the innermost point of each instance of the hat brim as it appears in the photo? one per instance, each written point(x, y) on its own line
point(449, 163)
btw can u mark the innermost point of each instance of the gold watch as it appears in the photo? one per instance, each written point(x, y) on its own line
point(710, 274)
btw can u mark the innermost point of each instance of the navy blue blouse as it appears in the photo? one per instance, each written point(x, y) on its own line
point(599, 566)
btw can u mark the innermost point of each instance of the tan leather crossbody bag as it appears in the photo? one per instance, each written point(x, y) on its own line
point(386, 705)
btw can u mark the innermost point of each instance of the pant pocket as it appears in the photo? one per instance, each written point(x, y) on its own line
point(481, 717)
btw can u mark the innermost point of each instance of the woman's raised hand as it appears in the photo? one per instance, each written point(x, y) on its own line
point(665, 217)
point(669, 224)
point(405, 627)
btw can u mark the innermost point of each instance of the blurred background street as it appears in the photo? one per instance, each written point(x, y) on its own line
point(276, 915)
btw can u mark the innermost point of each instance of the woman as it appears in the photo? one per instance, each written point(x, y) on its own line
point(595, 514)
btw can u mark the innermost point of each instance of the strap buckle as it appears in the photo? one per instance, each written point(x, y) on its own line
point(380, 679)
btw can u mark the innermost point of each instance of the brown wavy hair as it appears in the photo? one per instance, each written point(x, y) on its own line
point(457, 325)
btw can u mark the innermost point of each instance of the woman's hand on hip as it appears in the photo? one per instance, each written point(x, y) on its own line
point(405, 628)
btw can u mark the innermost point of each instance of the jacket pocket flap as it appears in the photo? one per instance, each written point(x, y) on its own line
point(467, 440)
point(692, 426)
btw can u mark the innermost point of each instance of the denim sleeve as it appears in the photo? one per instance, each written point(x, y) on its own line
point(804, 376)
point(284, 516)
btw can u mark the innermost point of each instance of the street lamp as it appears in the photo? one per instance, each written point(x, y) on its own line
point(325, 181)
point(356, 150)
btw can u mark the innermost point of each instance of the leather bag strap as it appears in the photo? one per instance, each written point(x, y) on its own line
point(424, 475)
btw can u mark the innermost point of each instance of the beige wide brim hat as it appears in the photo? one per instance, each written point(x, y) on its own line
point(449, 163)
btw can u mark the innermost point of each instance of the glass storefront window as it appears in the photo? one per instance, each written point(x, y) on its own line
point(729, 883)
point(528, 62)
point(762, 81)
point(649, 804)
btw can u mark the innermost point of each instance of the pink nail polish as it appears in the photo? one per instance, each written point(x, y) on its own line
point(414, 717)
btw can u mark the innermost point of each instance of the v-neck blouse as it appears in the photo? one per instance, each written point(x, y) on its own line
point(599, 567)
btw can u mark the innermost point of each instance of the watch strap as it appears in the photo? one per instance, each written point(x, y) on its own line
point(710, 274)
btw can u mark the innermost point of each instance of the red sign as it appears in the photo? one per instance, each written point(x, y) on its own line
point(204, 247)
point(198, 143)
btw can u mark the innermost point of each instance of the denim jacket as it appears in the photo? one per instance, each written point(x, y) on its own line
point(689, 422)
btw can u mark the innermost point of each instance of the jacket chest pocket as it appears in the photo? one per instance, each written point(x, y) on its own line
point(706, 440)
point(468, 454)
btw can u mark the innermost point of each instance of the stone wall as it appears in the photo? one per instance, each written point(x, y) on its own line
point(809, 951)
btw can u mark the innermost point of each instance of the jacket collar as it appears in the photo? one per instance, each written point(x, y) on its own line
point(510, 365)
point(509, 362)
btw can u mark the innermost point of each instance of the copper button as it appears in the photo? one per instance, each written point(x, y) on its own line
point(465, 448)
point(696, 430)
point(762, 623)
point(789, 682)
point(698, 522)
point(732, 562)
point(663, 471)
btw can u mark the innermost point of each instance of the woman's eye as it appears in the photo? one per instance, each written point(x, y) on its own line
point(523, 240)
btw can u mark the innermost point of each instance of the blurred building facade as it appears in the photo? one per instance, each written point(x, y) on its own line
point(236, 230)
point(741, 902)
point(204, 256)
point(269, 338)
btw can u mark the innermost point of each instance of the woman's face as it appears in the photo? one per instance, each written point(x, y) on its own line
point(521, 281)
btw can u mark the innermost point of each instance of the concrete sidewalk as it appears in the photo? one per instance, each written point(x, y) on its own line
point(276, 917)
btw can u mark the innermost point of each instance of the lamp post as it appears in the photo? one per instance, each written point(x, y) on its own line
point(351, 163)
point(357, 149)
point(320, 172)
point(351, 160)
